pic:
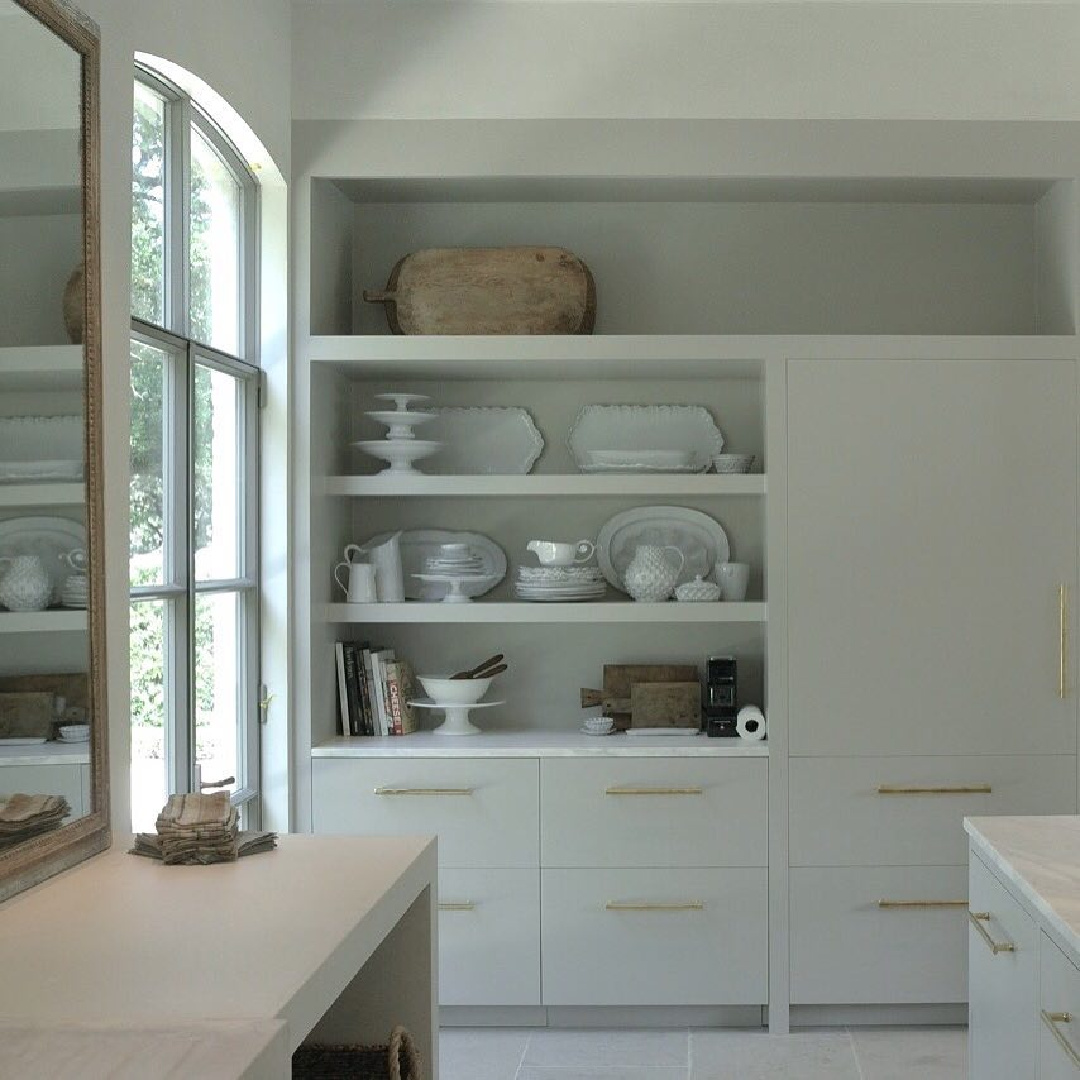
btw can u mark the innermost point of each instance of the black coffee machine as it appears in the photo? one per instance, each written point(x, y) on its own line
point(721, 708)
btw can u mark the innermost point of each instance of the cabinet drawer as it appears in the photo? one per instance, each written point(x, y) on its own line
point(655, 937)
point(485, 813)
point(649, 812)
point(489, 937)
point(908, 811)
point(1002, 948)
point(1059, 997)
point(848, 949)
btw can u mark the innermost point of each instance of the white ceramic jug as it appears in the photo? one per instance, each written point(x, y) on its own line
point(653, 572)
point(26, 585)
point(359, 584)
point(386, 558)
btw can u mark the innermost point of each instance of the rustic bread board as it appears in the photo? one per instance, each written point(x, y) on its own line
point(26, 715)
point(666, 705)
point(619, 680)
point(511, 290)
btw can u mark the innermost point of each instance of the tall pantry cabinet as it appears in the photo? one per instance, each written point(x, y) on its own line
point(932, 559)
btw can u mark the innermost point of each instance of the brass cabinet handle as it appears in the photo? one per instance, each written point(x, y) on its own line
point(977, 918)
point(457, 905)
point(654, 791)
point(1063, 641)
point(956, 789)
point(902, 905)
point(686, 905)
point(1051, 1020)
point(424, 791)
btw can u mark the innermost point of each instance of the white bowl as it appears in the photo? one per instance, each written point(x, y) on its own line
point(733, 463)
point(454, 691)
point(599, 723)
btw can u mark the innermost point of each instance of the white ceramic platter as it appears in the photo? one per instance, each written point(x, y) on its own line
point(49, 538)
point(27, 471)
point(699, 537)
point(630, 435)
point(483, 442)
point(418, 545)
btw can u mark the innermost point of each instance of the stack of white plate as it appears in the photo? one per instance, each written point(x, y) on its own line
point(559, 584)
point(455, 559)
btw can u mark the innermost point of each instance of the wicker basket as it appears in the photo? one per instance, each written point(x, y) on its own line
point(398, 1060)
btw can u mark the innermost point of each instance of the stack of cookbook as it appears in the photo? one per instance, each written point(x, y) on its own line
point(374, 691)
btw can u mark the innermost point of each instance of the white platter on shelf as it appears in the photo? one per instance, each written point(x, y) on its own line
point(484, 441)
point(700, 538)
point(418, 545)
point(645, 438)
point(50, 538)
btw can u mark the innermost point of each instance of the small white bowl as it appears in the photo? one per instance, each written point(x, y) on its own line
point(448, 691)
point(733, 463)
point(599, 723)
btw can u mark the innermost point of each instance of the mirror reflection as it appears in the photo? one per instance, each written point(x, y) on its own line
point(45, 714)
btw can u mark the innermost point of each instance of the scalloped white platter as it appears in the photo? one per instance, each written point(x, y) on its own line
point(700, 538)
point(481, 441)
point(644, 438)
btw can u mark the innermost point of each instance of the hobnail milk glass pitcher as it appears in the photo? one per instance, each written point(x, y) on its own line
point(653, 572)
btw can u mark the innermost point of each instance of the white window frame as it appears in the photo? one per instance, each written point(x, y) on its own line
point(180, 589)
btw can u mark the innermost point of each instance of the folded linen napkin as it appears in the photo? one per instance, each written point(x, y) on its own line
point(25, 816)
point(246, 843)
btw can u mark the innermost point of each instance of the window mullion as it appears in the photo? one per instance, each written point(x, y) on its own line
point(176, 217)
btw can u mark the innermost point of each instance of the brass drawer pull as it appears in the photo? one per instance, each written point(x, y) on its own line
point(977, 918)
point(654, 791)
point(457, 905)
point(687, 905)
point(901, 905)
point(959, 789)
point(424, 790)
point(1051, 1020)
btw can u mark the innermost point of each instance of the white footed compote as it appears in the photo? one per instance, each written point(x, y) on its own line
point(400, 453)
point(457, 716)
point(400, 423)
point(402, 400)
point(456, 584)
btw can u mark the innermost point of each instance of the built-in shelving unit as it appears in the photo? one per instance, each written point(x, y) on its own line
point(43, 367)
point(618, 611)
point(46, 493)
point(42, 622)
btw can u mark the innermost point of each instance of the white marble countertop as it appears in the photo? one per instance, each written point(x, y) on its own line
point(49, 753)
point(527, 744)
point(1039, 857)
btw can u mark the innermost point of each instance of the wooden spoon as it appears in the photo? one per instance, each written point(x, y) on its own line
point(481, 669)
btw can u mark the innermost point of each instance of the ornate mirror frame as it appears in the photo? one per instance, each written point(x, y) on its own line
point(43, 856)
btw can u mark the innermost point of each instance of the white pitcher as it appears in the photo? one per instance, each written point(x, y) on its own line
point(26, 586)
point(386, 558)
point(359, 583)
point(653, 573)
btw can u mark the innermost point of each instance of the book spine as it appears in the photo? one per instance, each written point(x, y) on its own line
point(406, 691)
point(352, 685)
point(361, 693)
point(369, 690)
point(343, 693)
point(393, 696)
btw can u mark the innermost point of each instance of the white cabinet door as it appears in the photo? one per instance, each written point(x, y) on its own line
point(1059, 1013)
point(931, 519)
point(1003, 972)
point(489, 937)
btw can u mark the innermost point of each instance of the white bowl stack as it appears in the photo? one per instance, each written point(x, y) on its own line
point(598, 725)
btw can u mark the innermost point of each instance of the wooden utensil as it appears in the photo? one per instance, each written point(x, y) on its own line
point(481, 670)
point(508, 290)
point(619, 678)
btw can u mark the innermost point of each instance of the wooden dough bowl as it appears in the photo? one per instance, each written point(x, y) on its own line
point(511, 290)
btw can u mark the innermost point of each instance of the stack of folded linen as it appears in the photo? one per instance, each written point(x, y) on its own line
point(200, 829)
point(25, 816)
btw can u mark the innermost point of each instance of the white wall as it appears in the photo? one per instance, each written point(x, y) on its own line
point(242, 50)
point(369, 59)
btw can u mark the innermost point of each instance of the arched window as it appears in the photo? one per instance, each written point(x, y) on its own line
point(195, 392)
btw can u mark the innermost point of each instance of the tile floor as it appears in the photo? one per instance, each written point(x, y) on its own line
point(924, 1053)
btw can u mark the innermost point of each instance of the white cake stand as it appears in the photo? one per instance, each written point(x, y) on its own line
point(401, 453)
point(457, 716)
point(456, 583)
point(400, 422)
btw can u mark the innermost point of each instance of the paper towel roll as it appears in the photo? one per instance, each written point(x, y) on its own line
point(750, 723)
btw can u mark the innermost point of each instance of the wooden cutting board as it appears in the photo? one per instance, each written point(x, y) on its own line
point(510, 290)
point(620, 679)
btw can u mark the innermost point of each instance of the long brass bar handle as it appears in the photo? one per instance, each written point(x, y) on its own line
point(688, 905)
point(1063, 654)
point(457, 905)
point(952, 789)
point(977, 918)
point(424, 791)
point(1051, 1020)
point(654, 791)
point(903, 905)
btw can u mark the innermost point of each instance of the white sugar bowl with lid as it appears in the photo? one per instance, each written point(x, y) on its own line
point(653, 572)
point(697, 591)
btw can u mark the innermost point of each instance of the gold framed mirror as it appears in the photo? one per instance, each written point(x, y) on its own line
point(54, 798)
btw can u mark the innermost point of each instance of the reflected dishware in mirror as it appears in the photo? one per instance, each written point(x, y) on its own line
point(53, 798)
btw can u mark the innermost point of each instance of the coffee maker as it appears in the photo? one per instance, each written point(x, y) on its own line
point(721, 708)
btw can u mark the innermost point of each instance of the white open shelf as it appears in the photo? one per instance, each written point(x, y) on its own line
point(43, 494)
point(30, 622)
point(42, 367)
point(616, 611)
point(593, 486)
